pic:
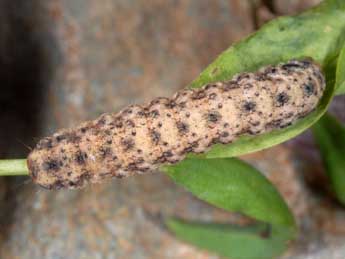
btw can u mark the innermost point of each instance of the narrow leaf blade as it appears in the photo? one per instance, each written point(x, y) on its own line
point(330, 137)
point(340, 75)
point(228, 240)
point(233, 185)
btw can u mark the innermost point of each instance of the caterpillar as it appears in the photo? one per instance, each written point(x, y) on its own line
point(139, 139)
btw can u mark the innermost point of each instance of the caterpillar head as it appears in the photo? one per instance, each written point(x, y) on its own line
point(71, 158)
point(51, 168)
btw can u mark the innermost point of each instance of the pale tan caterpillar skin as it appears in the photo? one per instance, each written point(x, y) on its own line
point(141, 138)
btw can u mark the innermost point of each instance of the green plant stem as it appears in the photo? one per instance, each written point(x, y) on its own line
point(11, 167)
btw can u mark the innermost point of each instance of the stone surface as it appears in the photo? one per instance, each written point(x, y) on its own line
point(283, 7)
point(99, 56)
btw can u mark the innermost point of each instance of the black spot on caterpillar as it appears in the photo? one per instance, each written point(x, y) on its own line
point(141, 138)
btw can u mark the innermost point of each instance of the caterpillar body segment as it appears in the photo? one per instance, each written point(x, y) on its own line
point(139, 139)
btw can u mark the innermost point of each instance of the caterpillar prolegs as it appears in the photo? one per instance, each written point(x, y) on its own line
point(141, 138)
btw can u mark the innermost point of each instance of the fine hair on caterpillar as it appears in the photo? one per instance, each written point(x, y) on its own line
point(139, 139)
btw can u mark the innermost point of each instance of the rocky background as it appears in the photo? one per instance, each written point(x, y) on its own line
point(65, 61)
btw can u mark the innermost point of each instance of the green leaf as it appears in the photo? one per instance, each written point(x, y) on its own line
point(230, 241)
point(233, 185)
point(318, 33)
point(340, 74)
point(330, 136)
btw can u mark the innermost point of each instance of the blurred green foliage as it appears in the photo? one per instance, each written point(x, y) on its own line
point(329, 134)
